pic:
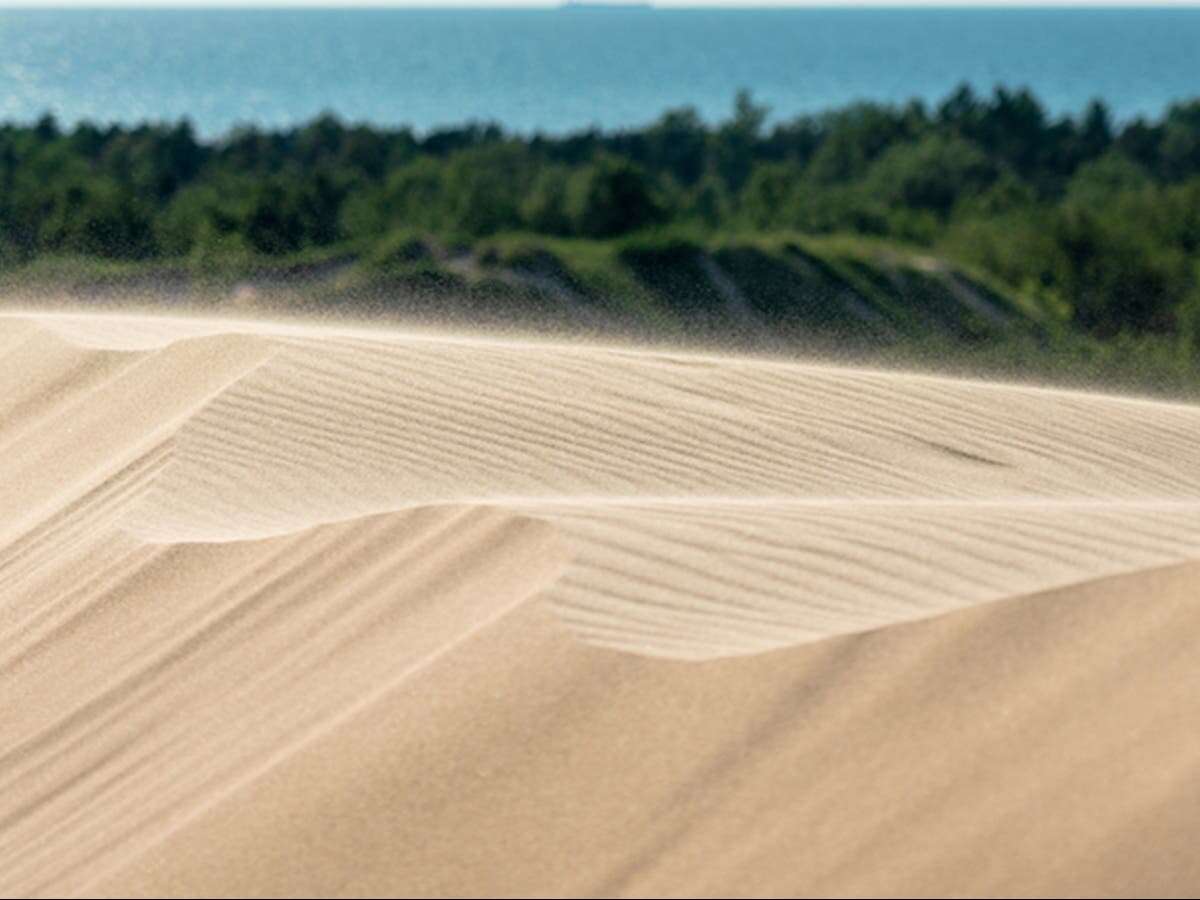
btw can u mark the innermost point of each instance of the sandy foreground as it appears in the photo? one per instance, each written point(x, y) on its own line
point(303, 609)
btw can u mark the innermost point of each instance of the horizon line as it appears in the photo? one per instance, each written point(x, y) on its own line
point(557, 5)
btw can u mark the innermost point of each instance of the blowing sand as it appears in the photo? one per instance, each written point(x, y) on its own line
point(299, 609)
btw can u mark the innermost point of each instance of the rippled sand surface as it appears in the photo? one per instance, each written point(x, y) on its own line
point(303, 609)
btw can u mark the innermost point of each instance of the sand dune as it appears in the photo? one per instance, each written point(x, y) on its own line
point(1046, 745)
point(293, 608)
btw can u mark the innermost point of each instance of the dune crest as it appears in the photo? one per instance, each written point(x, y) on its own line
point(713, 506)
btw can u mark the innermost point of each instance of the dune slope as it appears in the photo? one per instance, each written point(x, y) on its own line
point(1044, 746)
point(268, 588)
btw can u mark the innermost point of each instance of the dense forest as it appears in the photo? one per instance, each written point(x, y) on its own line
point(1094, 224)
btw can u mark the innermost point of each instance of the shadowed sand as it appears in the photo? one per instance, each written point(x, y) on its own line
point(293, 609)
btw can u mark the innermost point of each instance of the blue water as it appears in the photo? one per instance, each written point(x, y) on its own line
point(556, 70)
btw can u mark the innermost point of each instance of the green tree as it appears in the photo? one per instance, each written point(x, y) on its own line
point(611, 196)
point(855, 137)
point(1096, 183)
point(768, 198)
point(545, 207)
point(485, 187)
point(1113, 277)
point(934, 174)
point(736, 141)
point(678, 143)
point(708, 202)
point(97, 217)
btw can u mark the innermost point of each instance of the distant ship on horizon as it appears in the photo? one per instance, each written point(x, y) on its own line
point(612, 4)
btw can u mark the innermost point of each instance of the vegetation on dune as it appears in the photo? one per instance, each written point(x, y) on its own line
point(981, 223)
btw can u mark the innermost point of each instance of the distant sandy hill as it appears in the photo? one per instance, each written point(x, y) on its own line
point(308, 609)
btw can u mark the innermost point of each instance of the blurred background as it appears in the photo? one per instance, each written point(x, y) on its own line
point(1012, 189)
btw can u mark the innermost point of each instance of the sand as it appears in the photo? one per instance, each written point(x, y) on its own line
point(310, 609)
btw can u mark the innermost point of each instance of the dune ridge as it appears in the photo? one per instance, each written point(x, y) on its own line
point(225, 541)
point(714, 506)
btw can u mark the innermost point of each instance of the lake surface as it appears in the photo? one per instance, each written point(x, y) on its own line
point(560, 70)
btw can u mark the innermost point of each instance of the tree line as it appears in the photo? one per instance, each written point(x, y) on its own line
point(1100, 218)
